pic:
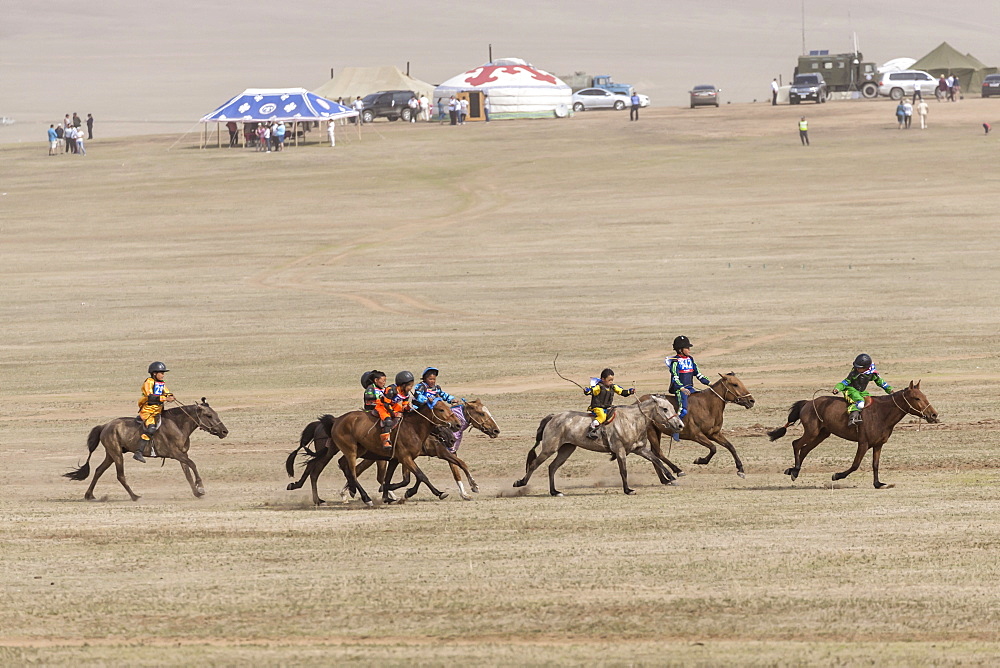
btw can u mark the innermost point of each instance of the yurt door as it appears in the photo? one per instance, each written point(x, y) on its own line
point(475, 99)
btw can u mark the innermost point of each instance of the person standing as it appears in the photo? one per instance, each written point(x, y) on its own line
point(414, 105)
point(78, 133)
point(67, 124)
point(900, 115)
point(956, 89)
point(331, 126)
point(453, 110)
point(463, 110)
point(922, 110)
point(774, 92)
point(942, 89)
point(425, 108)
point(279, 135)
point(633, 113)
point(234, 133)
point(950, 83)
point(907, 114)
point(804, 131)
point(76, 121)
point(486, 106)
point(59, 136)
point(53, 140)
point(359, 106)
point(90, 127)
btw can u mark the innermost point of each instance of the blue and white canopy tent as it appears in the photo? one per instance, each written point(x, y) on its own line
point(256, 105)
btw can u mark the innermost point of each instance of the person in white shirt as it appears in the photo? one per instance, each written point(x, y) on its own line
point(425, 109)
point(907, 113)
point(330, 128)
point(922, 109)
point(453, 107)
point(359, 107)
point(463, 110)
point(774, 92)
point(414, 104)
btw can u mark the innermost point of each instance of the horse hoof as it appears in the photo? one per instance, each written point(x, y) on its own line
point(883, 485)
point(835, 477)
point(630, 492)
point(392, 496)
point(558, 494)
point(680, 473)
point(370, 504)
point(136, 497)
point(467, 497)
point(701, 462)
point(741, 474)
point(474, 488)
point(442, 496)
point(519, 483)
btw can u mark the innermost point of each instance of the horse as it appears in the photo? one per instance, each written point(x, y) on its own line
point(355, 434)
point(470, 414)
point(171, 441)
point(823, 416)
point(626, 433)
point(703, 422)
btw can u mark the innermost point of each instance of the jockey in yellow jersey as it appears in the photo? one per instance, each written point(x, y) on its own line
point(602, 393)
point(154, 395)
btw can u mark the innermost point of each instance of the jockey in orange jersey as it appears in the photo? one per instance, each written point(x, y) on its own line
point(154, 395)
point(395, 401)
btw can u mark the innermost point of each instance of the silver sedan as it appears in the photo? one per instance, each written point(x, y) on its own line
point(598, 98)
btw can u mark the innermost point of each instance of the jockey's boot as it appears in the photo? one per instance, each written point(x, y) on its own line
point(676, 436)
point(592, 430)
point(137, 455)
point(385, 440)
point(854, 419)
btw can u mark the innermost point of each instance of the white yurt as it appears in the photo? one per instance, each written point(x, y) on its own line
point(515, 89)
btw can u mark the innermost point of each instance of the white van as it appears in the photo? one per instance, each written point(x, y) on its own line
point(898, 84)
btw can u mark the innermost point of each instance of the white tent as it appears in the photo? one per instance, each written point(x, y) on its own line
point(351, 82)
point(897, 65)
point(515, 89)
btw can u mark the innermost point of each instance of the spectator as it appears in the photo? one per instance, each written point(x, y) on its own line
point(78, 136)
point(453, 110)
point(900, 115)
point(53, 140)
point(279, 136)
point(90, 126)
point(804, 131)
point(950, 81)
point(59, 135)
point(234, 133)
point(67, 124)
point(442, 107)
point(330, 132)
point(414, 104)
point(907, 113)
point(463, 110)
point(425, 108)
point(359, 106)
point(76, 121)
point(956, 89)
point(941, 92)
point(633, 112)
point(486, 106)
point(774, 92)
point(922, 110)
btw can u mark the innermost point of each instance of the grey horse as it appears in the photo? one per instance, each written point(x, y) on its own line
point(171, 441)
point(563, 433)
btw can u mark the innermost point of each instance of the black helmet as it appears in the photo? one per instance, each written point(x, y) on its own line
point(157, 367)
point(366, 379)
point(404, 377)
point(862, 361)
point(682, 342)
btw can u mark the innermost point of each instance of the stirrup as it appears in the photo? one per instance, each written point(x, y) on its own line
point(592, 433)
point(137, 456)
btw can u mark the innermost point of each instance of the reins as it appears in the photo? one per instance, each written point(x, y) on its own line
point(920, 414)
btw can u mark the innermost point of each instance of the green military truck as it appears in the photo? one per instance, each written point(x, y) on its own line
point(842, 71)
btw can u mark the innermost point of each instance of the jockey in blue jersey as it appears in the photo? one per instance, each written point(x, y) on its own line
point(428, 392)
point(683, 371)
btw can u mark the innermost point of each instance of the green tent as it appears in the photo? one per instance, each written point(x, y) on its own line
point(945, 59)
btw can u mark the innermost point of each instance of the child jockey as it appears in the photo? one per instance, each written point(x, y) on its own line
point(395, 400)
point(374, 383)
point(154, 394)
point(855, 384)
point(428, 392)
point(602, 392)
point(683, 371)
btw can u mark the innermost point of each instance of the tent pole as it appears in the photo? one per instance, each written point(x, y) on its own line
point(218, 134)
point(295, 129)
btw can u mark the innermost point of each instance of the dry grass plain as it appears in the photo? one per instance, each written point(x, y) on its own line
point(269, 282)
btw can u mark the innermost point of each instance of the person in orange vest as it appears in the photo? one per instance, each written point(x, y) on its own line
point(395, 401)
point(154, 395)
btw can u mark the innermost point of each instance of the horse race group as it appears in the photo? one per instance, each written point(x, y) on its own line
point(405, 420)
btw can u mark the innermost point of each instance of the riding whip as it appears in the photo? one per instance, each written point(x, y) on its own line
point(564, 377)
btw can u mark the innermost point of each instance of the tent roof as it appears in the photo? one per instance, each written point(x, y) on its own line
point(946, 57)
point(352, 82)
point(503, 73)
point(278, 104)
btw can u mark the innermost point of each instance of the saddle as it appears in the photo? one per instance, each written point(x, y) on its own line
point(868, 401)
point(610, 412)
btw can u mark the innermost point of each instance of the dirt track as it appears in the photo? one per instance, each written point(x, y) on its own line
point(269, 282)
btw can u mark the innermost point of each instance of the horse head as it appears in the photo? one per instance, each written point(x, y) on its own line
point(663, 414)
point(442, 415)
point(444, 436)
point(732, 389)
point(208, 420)
point(479, 416)
point(918, 404)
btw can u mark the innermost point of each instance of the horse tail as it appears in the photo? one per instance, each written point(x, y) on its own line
point(793, 416)
point(325, 421)
point(538, 439)
point(93, 440)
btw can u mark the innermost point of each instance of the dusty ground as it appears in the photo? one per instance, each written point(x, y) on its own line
point(269, 282)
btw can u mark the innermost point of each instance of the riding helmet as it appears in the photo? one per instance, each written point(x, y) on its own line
point(157, 367)
point(404, 377)
point(682, 342)
point(366, 379)
point(862, 361)
point(428, 370)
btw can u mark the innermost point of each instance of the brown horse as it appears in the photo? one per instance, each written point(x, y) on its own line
point(703, 422)
point(171, 441)
point(823, 416)
point(356, 435)
point(470, 414)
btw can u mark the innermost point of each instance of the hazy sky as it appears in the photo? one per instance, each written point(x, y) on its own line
point(177, 60)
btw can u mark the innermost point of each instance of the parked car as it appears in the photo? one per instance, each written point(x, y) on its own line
point(598, 98)
point(991, 85)
point(391, 104)
point(808, 87)
point(704, 95)
point(898, 84)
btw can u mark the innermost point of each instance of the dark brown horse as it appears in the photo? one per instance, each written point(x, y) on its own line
point(171, 441)
point(823, 416)
point(703, 422)
point(356, 436)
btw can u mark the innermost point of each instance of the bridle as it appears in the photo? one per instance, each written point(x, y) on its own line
point(913, 411)
point(638, 405)
point(481, 426)
point(197, 420)
point(736, 397)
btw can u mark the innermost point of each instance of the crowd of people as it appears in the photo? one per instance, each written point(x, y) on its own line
point(264, 136)
point(949, 89)
point(68, 136)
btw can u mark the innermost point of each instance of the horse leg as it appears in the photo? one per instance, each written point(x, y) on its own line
point(89, 496)
point(565, 450)
point(801, 447)
point(456, 473)
point(533, 463)
point(407, 461)
point(858, 457)
point(666, 478)
point(198, 487)
point(120, 469)
point(876, 455)
point(316, 467)
point(190, 478)
point(722, 440)
point(620, 456)
point(701, 439)
point(350, 468)
point(655, 444)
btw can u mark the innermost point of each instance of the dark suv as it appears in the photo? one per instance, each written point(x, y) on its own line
point(807, 87)
point(391, 104)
